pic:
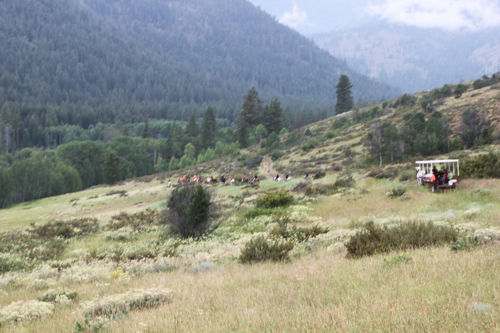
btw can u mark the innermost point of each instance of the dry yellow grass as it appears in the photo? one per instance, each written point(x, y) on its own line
point(437, 291)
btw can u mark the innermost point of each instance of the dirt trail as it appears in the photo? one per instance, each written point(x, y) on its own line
point(267, 169)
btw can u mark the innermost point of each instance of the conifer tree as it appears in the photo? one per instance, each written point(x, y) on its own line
point(272, 116)
point(242, 135)
point(169, 149)
point(251, 108)
point(345, 101)
point(145, 131)
point(192, 128)
point(209, 129)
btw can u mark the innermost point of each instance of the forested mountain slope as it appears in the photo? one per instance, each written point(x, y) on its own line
point(109, 60)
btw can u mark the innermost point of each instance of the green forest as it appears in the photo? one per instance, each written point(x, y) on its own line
point(106, 62)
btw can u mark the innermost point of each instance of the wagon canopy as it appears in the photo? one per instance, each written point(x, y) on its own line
point(449, 164)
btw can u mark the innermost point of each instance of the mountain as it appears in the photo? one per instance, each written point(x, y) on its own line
point(103, 61)
point(413, 58)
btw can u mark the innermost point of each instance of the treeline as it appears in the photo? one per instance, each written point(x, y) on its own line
point(28, 174)
point(67, 63)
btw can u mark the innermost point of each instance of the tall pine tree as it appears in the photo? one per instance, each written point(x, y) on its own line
point(192, 128)
point(251, 108)
point(209, 129)
point(345, 102)
point(272, 117)
point(145, 131)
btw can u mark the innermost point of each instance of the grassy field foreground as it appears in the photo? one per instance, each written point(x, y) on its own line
point(205, 289)
point(434, 291)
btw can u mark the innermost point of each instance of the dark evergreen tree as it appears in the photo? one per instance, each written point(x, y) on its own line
point(242, 135)
point(251, 108)
point(345, 101)
point(169, 149)
point(209, 129)
point(145, 132)
point(273, 116)
point(111, 170)
point(192, 128)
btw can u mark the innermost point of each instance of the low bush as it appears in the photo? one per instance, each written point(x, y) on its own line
point(310, 144)
point(319, 175)
point(329, 189)
point(122, 193)
point(329, 135)
point(260, 249)
point(406, 175)
point(275, 199)
point(137, 299)
point(294, 234)
point(52, 297)
point(345, 182)
point(25, 311)
point(342, 122)
point(138, 222)
point(253, 162)
point(465, 244)
point(65, 229)
point(396, 192)
point(377, 239)
point(322, 190)
point(482, 166)
point(277, 154)
point(255, 212)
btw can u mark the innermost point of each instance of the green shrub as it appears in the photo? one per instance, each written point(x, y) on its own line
point(344, 182)
point(396, 192)
point(294, 234)
point(319, 175)
point(376, 239)
point(277, 154)
point(65, 229)
point(406, 175)
point(12, 265)
point(255, 212)
point(465, 244)
point(482, 166)
point(260, 249)
point(274, 199)
point(253, 162)
point(308, 132)
point(329, 189)
point(342, 122)
point(191, 212)
point(138, 221)
point(51, 297)
point(310, 144)
point(329, 135)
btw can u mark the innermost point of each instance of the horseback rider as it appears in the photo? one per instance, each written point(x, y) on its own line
point(307, 175)
point(223, 179)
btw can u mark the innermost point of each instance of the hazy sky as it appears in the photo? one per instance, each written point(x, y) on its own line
point(316, 16)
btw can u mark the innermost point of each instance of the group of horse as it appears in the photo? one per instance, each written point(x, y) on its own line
point(213, 180)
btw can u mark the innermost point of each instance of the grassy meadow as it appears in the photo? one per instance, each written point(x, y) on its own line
point(112, 265)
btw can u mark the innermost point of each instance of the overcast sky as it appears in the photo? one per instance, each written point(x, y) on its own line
point(316, 16)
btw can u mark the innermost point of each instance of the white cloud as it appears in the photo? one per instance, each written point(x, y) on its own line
point(445, 14)
point(295, 18)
